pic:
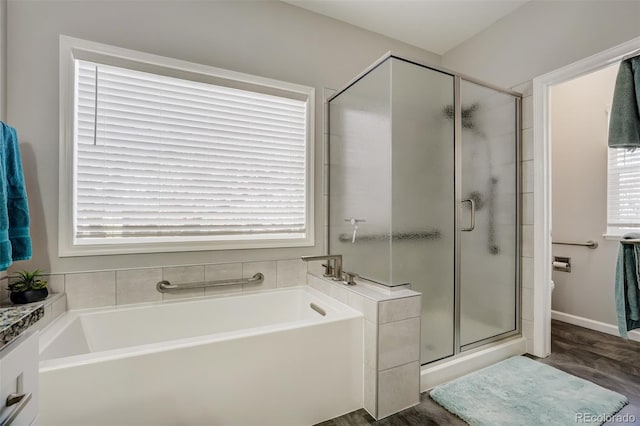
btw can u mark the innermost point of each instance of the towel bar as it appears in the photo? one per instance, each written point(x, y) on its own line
point(629, 241)
point(591, 244)
point(165, 286)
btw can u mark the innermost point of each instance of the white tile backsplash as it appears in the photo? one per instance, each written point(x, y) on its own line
point(315, 268)
point(127, 286)
point(138, 285)
point(291, 272)
point(90, 289)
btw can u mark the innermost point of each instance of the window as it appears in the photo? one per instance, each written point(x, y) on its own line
point(166, 155)
point(623, 191)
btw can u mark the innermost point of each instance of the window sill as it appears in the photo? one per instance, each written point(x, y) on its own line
point(66, 249)
point(616, 237)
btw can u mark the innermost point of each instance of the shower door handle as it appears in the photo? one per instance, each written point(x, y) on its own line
point(473, 215)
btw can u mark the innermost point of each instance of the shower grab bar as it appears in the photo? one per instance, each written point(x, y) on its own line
point(591, 244)
point(425, 235)
point(165, 286)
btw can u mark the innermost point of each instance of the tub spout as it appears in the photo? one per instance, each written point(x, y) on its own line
point(333, 267)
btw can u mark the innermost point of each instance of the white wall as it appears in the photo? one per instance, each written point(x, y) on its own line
point(542, 36)
point(579, 187)
point(269, 39)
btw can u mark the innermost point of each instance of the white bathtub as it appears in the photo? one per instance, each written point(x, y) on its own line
point(255, 359)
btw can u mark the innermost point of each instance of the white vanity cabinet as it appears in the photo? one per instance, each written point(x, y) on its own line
point(19, 380)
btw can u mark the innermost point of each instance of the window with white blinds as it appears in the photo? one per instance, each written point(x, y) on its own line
point(623, 191)
point(163, 159)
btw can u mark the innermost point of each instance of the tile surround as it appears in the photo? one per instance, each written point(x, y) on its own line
point(527, 148)
point(223, 271)
point(126, 286)
point(398, 388)
point(90, 289)
point(183, 274)
point(391, 342)
point(290, 272)
point(138, 286)
point(55, 282)
point(397, 343)
point(400, 309)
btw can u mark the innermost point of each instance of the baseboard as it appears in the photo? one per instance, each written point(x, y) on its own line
point(602, 327)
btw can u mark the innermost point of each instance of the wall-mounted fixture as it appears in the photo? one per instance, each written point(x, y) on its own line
point(562, 264)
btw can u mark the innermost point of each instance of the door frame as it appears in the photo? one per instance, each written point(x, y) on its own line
point(542, 229)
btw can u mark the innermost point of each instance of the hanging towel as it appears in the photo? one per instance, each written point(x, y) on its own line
point(624, 122)
point(627, 290)
point(15, 242)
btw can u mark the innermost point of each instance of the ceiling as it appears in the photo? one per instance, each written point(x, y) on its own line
point(434, 25)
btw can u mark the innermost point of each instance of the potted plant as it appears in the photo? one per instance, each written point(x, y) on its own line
point(27, 287)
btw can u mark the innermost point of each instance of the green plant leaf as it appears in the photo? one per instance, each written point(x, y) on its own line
point(25, 280)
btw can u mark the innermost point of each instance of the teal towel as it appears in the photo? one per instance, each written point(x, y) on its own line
point(627, 292)
point(15, 242)
point(624, 124)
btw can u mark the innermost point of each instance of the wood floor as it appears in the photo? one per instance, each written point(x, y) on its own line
point(606, 360)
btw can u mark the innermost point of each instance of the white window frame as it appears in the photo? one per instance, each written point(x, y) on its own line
point(72, 49)
point(613, 232)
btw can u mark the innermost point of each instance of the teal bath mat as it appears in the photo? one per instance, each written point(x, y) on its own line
point(521, 391)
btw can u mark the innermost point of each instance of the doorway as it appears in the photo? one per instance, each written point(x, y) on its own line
point(543, 172)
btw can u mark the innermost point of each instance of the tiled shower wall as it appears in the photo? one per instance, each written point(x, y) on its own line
point(527, 212)
point(120, 287)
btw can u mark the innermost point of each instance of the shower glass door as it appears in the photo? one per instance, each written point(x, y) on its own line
point(488, 211)
point(423, 190)
point(423, 198)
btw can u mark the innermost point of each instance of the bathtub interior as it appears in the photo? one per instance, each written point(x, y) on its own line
point(99, 330)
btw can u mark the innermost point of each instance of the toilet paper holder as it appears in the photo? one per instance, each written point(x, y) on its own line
point(562, 264)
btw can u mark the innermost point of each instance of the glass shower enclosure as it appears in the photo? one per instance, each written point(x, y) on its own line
point(423, 190)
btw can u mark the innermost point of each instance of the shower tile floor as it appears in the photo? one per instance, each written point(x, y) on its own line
point(606, 360)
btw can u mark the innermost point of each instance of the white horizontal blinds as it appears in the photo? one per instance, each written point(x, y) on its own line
point(158, 156)
point(623, 200)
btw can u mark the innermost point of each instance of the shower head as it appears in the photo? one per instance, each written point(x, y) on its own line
point(467, 113)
